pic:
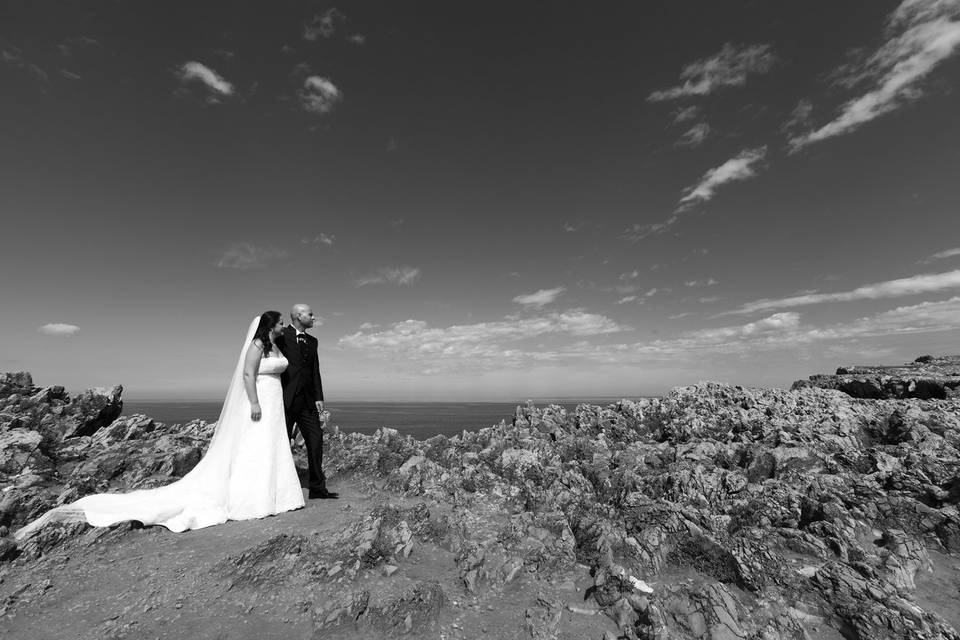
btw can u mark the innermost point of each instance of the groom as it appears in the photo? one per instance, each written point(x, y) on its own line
point(303, 393)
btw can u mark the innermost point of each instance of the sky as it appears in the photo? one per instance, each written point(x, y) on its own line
point(483, 201)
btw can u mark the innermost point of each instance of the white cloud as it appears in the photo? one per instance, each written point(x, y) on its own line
point(920, 34)
point(498, 345)
point(59, 329)
point(357, 38)
point(214, 82)
point(709, 282)
point(785, 331)
point(540, 298)
point(734, 169)
point(923, 283)
point(728, 68)
point(391, 275)
point(319, 239)
point(481, 345)
point(626, 299)
point(940, 255)
point(694, 136)
point(319, 95)
point(245, 255)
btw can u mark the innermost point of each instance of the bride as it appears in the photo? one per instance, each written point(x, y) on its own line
point(247, 471)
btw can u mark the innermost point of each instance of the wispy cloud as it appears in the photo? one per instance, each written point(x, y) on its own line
point(913, 285)
point(626, 299)
point(685, 114)
point(323, 25)
point(784, 330)
point(216, 86)
point(327, 24)
point(920, 34)
point(245, 255)
point(799, 117)
point(71, 45)
point(694, 136)
point(942, 255)
point(59, 329)
point(14, 57)
point(540, 298)
point(639, 231)
point(319, 239)
point(730, 67)
point(709, 282)
point(391, 275)
point(319, 95)
point(735, 169)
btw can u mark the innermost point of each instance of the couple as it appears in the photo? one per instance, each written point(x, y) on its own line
point(248, 470)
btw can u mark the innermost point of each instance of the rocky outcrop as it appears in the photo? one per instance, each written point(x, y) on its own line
point(55, 448)
point(716, 512)
point(786, 508)
point(927, 377)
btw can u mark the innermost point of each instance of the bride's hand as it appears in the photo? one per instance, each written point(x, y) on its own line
point(255, 412)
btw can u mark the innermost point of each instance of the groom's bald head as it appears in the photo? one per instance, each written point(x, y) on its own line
point(302, 315)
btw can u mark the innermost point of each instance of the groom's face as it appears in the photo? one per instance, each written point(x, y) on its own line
point(306, 317)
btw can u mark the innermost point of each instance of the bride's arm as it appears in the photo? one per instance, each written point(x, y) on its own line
point(251, 365)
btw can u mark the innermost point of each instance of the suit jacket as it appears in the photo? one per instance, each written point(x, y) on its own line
point(302, 375)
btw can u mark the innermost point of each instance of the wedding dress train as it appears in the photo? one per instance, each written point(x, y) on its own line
point(247, 472)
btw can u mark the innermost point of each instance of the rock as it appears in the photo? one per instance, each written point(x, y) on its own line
point(753, 513)
point(92, 410)
point(926, 377)
point(416, 610)
point(8, 549)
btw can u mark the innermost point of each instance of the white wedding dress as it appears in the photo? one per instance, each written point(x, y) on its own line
point(247, 472)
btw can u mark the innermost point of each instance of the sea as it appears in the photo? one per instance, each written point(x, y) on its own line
point(418, 419)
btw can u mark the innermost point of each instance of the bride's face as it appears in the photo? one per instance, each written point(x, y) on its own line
point(277, 330)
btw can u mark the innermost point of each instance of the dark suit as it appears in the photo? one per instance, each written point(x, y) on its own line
point(301, 390)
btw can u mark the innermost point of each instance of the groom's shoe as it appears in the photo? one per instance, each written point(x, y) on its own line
point(323, 494)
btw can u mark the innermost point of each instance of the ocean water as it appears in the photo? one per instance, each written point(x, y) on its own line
point(419, 419)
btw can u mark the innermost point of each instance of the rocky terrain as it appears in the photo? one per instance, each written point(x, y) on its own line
point(927, 377)
point(717, 512)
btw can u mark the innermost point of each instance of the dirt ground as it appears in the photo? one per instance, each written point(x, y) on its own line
point(147, 583)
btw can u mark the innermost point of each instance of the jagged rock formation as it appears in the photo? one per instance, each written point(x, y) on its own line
point(55, 449)
point(927, 377)
point(716, 512)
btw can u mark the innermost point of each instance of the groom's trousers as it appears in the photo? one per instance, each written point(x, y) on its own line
point(303, 413)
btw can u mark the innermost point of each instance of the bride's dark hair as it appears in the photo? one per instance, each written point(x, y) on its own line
point(268, 320)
